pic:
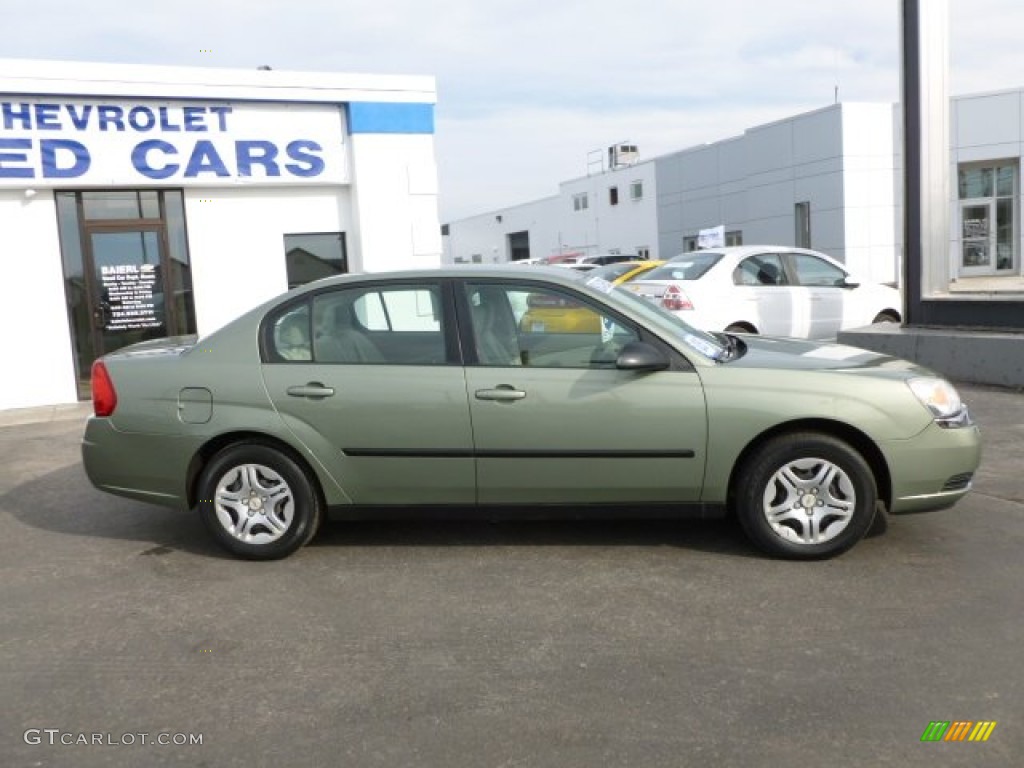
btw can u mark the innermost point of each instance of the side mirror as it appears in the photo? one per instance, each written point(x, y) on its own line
point(641, 356)
point(849, 282)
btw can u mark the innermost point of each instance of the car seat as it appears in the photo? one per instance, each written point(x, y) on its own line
point(494, 328)
point(342, 342)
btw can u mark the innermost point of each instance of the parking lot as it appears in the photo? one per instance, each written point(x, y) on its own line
point(428, 643)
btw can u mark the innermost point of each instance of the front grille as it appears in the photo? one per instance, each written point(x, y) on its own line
point(958, 482)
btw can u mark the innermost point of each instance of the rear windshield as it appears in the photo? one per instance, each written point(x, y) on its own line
point(689, 267)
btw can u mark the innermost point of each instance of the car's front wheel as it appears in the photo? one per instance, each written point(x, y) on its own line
point(258, 502)
point(805, 496)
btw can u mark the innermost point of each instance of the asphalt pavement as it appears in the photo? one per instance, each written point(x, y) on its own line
point(424, 643)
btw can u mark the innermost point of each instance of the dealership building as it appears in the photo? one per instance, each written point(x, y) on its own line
point(830, 179)
point(142, 201)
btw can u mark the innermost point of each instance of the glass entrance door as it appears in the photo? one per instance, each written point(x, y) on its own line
point(127, 302)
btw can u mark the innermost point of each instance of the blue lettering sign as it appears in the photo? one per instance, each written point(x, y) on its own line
point(110, 116)
point(141, 118)
point(14, 157)
point(140, 159)
point(194, 118)
point(79, 119)
point(205, 159)
point(249, 153)
point(305, 164)
point(222, 115)
point(48, 152)
point(47, 117)
point(11, 113)
point(165, 121)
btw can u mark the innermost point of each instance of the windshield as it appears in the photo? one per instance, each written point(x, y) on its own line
point(689, 266)
point(698, 340)
point(613, 272)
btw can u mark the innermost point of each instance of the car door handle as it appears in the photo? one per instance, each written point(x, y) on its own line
point(501, 392)
point(313, 390)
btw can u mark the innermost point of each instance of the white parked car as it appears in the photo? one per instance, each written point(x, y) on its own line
point(772, 290)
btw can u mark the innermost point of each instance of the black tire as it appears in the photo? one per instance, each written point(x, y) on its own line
point(739, 328)
point(282, 509)
point(825, 501)
point(886, 317)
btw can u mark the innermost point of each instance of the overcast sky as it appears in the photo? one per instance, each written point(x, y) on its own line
point(528, 88)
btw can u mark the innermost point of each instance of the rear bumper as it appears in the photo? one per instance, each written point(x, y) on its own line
point(150, 468)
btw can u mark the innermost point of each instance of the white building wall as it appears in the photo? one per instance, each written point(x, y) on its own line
point(869, 202)
point(395, 203)
point(236, 242)
point(555, 227)
point(38, 366)
point(484, 238)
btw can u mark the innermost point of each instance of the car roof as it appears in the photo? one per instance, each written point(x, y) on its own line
point(486, 271)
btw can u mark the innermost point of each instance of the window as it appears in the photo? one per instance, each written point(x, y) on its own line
point(685, 267)
point(613, 195)
point(802, 218)
point(579, 202)
point(636, 190)
point(988, 221)
point(643, 252)
point(734, 237)
point(396, 325)
point(810, 270)
point(516, 326)
point(290, 337)
point(689, 243)
point(764, 269)
point(310, 257)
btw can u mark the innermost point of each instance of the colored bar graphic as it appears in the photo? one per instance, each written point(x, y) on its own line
point(982, 730)
point(958, 730)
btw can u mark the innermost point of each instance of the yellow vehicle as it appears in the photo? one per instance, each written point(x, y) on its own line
point(546, 314)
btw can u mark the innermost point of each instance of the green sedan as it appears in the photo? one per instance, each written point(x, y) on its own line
point(360, 394)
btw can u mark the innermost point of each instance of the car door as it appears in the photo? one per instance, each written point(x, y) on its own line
point(823, 282)
point(372, 385)
point(554, 421)
point(761, 282)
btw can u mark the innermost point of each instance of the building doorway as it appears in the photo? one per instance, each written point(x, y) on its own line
point(127, 275)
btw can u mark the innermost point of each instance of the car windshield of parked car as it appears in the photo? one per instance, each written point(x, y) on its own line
point(689, 266)
point(612, 272)
point(697, 340)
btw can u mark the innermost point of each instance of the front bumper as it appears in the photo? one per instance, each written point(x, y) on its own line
point(932, 470)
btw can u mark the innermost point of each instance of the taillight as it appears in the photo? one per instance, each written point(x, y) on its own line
point(104, 397)
point(675, 300)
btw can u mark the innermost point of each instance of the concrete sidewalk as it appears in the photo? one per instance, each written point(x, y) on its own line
point(17, 416)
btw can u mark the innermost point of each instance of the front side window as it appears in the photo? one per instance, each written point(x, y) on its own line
point(810, 270)
point(529, 326)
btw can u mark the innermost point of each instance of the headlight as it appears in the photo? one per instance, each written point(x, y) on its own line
point(942, 400)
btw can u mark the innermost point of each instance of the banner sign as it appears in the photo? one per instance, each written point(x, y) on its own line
point(712, 237)
point(56, 142)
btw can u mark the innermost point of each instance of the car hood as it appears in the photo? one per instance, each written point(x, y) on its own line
point(798, 354)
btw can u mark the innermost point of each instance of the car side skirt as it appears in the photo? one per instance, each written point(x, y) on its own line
point(511, 512)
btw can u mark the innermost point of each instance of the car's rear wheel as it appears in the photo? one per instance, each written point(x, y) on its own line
point(886, 317)
point(740, 328)
point(258, 502)
point(805, 496)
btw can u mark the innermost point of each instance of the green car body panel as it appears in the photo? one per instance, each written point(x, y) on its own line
point(578, 436)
